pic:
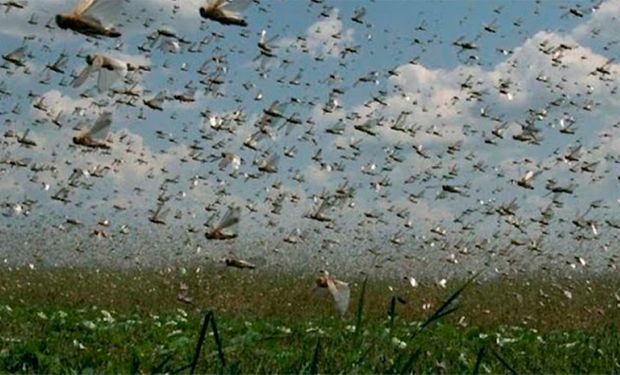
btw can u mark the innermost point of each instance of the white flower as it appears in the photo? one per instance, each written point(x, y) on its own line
point(182, 312)
point(107, 317)
point(175, 332)
point(399, 343)
point(315, 329)
point(78, 344)
point(285, 330)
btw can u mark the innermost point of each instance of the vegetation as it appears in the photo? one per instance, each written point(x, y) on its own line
point(82, 320)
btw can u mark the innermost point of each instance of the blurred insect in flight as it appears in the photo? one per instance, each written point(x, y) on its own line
point(226, 12)
point(92, 18)
point(99, 129)
point(339, 290)
point(109, 69)
point(228, 221)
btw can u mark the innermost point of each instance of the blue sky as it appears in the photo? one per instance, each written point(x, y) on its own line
point(545, 53)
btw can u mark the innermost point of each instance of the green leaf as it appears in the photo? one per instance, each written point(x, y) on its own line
point(360, 307)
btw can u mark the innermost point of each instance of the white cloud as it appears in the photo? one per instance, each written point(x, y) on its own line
point(56, 101)
point(602, 25)
point(326, 37)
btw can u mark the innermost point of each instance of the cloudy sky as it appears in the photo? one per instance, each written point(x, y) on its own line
point(449, 90)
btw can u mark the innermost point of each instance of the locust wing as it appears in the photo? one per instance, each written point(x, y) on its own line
point(95, 65)
point(341, 293)
point(234, 7)
point(230, 218)
point(101, 126)
point(103, 11)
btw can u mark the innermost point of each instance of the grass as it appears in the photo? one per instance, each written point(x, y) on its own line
point(79, 320)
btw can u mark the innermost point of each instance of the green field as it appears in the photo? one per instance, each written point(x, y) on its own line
point(86, 321)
